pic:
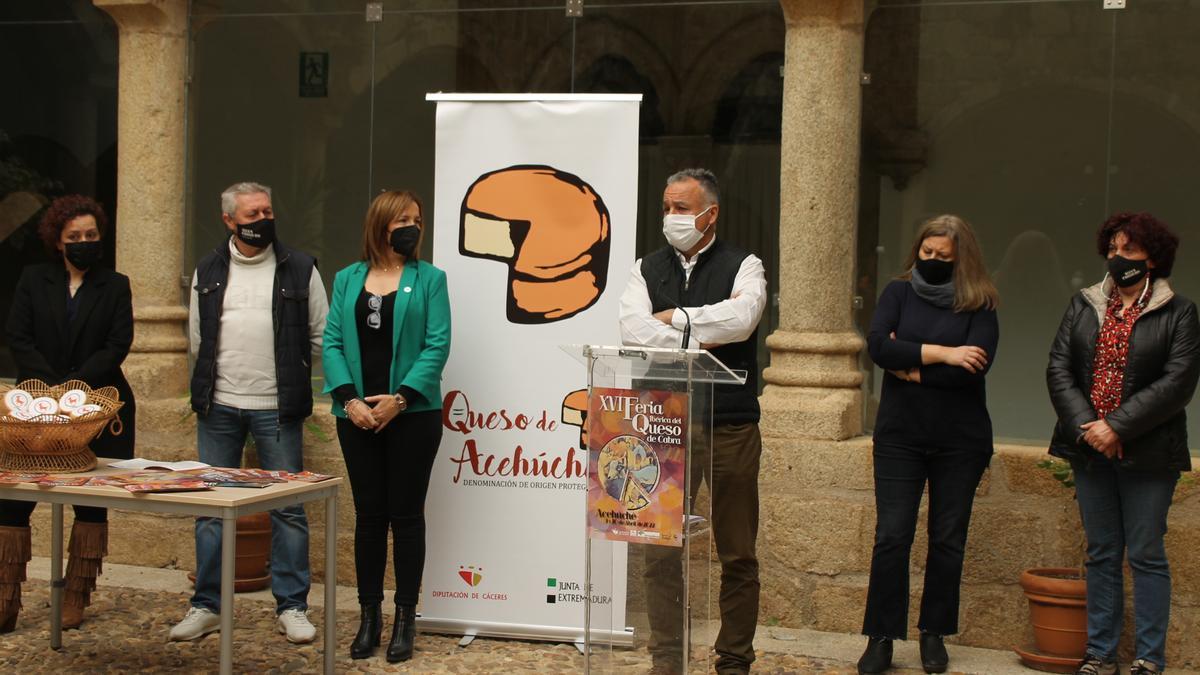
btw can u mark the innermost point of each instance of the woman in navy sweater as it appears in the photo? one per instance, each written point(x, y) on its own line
point(934, 333)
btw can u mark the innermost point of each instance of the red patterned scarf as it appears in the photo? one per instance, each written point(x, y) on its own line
point(1112, 352)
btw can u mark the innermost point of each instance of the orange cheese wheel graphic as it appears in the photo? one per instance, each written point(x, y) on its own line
point(574, 413)
point(553, 231)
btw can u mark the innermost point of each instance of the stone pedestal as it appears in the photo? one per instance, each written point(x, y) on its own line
point(813, 383)
point(150, 188)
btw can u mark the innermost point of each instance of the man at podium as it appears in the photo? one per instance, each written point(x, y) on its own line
point(711, 294)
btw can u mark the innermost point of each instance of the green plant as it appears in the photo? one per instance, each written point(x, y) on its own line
point(189, 413)
point(1060, 470)
point(316, 430)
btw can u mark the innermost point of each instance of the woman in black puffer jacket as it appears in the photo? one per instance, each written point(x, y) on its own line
point(1122, 368)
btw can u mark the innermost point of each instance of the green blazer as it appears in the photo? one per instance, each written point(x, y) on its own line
point(420, 334)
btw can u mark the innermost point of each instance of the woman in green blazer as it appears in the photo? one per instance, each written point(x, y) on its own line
point(386, 341)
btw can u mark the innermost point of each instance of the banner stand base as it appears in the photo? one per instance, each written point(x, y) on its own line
point(470, 631)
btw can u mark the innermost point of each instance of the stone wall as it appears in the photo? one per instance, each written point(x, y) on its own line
point(818, 520)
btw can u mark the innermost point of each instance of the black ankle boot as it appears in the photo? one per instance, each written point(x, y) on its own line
point(404, 634)
point(877, 657)
point(370, 631)
point(933, 653)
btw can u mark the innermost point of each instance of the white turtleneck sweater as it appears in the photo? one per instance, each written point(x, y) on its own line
point(246, 346)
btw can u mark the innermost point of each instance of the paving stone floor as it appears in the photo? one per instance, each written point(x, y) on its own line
point(127, 633)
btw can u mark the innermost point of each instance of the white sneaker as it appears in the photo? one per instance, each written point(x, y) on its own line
point(197, 623)
point(294, 622)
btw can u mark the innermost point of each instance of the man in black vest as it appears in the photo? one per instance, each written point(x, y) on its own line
point(720, 291)
point(257, 315)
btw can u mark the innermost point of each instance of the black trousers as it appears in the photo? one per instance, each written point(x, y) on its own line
point(389, 477)
point(901, 472)
point(16, 513)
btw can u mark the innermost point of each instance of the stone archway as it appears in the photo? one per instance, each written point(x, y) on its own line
point(730, 54)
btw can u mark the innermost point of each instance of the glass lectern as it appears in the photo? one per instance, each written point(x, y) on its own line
point(652, 573)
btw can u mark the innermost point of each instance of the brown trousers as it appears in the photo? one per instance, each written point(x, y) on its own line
point(733, 484)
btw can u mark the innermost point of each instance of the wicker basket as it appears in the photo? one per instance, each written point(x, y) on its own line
point(49, 443)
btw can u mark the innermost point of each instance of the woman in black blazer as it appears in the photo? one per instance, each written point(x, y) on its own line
point(70, 319)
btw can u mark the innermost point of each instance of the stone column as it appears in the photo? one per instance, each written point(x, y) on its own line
point(812, 385)
point(150, 190)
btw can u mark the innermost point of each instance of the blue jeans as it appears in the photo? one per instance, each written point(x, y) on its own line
point(221, 436)
point(1125, 513)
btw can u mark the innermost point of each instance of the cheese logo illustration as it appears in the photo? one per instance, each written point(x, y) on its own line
point(552, 230)
point(574, 413)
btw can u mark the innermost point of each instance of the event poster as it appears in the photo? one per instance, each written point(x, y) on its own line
point(535, 219)
point(637, 441)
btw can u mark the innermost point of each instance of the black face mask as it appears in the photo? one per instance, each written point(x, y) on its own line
point(1126, 272)
point(259, 234)
point(935, 272)
point(83, 254)
point(404, 240)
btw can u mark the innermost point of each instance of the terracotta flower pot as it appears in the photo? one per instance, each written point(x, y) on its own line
point(253, 552)
point(1058, 611)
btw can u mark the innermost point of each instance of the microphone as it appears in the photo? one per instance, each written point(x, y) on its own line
point(687, 328)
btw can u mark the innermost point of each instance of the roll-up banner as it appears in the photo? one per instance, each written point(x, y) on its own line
point(534, 225)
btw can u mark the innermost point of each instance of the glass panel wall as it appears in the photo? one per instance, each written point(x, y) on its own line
point(58, 126)
point(712, 86)
point(710, 74)
point(1034, 121)
point(255, 113)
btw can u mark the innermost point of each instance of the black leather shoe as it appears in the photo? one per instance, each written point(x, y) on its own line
point(877, 657)
point(934, 658)
point(404, 634)
point(370, 631)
